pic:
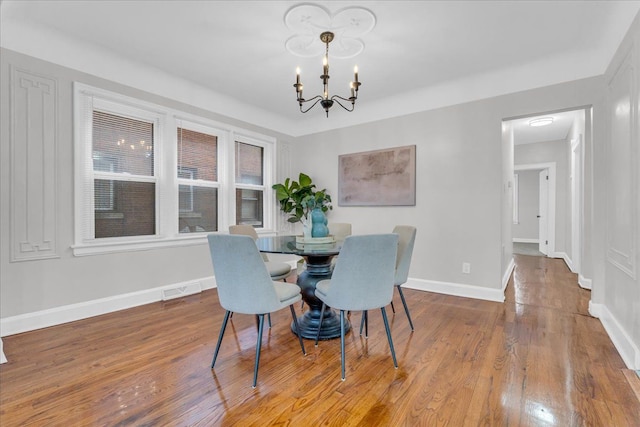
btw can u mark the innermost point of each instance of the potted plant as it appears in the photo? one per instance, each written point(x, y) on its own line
point(300, 198)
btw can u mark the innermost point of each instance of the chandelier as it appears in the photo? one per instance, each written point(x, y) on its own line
point(325, 101)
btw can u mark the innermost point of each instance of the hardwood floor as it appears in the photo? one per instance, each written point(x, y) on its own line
point(538, 359)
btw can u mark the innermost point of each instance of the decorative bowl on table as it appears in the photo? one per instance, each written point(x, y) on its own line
point(315, 240)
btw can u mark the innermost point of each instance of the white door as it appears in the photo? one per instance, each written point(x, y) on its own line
point(543, 209)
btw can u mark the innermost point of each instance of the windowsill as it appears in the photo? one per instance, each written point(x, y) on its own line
point(99, 248)
point(186, 239)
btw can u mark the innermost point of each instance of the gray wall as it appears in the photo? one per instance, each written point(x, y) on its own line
point(463, 208)
point(29, 286)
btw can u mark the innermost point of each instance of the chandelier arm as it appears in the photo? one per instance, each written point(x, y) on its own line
point(318, 98)
point(337, 100)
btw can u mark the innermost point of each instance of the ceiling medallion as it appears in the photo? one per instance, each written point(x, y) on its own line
point(309, 20)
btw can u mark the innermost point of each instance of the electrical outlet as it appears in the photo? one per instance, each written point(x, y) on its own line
point(466, 268)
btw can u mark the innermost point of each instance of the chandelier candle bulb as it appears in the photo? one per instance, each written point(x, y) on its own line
point(352, 91)
point(298, 79)
point(355, 72)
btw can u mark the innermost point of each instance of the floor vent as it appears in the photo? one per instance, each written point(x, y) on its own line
point(181, 291)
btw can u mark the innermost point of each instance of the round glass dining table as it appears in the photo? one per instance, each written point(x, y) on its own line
point(318, 257)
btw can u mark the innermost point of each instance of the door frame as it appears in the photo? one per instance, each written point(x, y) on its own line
point(551, 205)
point(577, 199)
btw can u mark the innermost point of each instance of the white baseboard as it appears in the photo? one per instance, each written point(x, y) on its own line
point(564, 257)
point(584, 282)
point(519, 240)
point(456, 289)
point(629, 352)
point(507, 274)
point(594, 309)
point(69, 313)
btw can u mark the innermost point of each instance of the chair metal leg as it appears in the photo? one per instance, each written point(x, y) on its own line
point(342, 341)
point(320, 323)
point(406, 309)
point(386, 326)
point(258, 345)
point(295, 322)
point(258, 320)
point(393, 308)
point(365, 322)
point(224, 326)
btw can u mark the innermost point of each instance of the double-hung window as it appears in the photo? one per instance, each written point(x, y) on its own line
point(197, 153)
point(249, 183)
point(150, 176)
point(119, 169)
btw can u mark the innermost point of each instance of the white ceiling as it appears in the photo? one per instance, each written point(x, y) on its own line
point(558, 130)
point(230, 56)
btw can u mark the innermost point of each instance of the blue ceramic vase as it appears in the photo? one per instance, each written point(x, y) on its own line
point(319, 223)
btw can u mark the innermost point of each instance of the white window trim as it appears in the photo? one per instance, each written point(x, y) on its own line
point(165, 170)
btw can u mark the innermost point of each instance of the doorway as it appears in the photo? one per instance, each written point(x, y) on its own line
point(534, 228)
point(553, 155)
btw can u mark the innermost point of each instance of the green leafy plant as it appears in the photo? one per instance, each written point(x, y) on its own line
point(299, 198)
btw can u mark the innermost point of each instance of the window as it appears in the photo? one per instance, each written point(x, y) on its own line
point(123, 174)
point(149, 176)
point(197, 181)
point(249, 162)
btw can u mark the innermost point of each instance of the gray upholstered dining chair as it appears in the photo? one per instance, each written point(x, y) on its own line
point(362, 280)
point(406, 240)
point(339, 230)
point(277, 270)
point(244, 286)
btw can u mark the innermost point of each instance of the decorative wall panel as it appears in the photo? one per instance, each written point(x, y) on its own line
point(622, 192)
point(33, 166)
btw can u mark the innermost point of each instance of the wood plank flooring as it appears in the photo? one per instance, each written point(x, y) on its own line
point(538, 359)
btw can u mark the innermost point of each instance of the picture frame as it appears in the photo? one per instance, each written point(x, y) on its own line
point(385, 177)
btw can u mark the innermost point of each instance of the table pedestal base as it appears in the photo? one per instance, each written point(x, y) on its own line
point(318, 268)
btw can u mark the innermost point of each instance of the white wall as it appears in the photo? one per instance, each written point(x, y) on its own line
point(617, 204)
point(528, 205)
